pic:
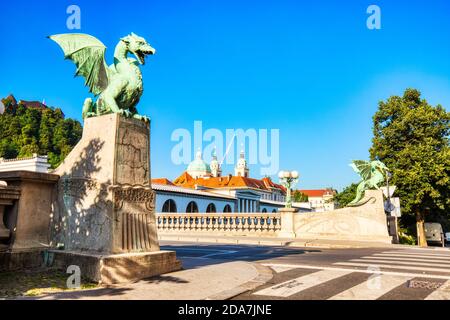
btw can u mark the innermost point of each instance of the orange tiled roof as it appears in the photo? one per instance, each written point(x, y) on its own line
point(317, 193)
point(162, 181)
point(185, 180)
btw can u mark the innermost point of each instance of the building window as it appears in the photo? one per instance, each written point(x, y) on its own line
point(192, 207)
point(227, 209)
point(274, 211)
point(211, 208)
point(169, 206)
point(264, 210)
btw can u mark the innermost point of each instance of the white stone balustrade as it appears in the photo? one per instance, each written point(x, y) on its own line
point(263, 224)
point(366, 222)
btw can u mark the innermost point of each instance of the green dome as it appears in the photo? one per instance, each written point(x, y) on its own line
point(198, 164)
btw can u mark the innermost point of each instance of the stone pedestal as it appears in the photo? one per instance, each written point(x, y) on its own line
point(105, 204)
point(287, 223)
point(28, 216)
point(117, 268)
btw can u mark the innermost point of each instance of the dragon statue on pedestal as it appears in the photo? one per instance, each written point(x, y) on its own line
point(119, 87)
point(372, 173)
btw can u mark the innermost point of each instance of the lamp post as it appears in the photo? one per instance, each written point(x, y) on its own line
point(390, 207)
point(288, 179)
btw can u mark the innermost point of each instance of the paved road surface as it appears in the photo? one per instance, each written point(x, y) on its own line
point(351, 274)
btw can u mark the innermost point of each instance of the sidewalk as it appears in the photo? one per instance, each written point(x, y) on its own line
point(219, 281)
point(297, 242)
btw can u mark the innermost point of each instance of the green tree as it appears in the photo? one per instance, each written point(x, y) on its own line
point(298, 196)
point(346, 196)
point(412, 138)
point(24, 131)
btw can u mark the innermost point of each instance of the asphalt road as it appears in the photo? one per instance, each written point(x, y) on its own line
point(350, 274)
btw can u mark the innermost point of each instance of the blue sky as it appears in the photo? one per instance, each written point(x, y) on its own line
point(309, 68)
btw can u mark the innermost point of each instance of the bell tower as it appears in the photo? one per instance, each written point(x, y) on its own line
point(241, 166)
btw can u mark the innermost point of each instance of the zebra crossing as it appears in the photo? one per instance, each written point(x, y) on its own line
point(418, 274)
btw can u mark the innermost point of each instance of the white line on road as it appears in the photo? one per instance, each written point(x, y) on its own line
point(294, 286)
point(409, 263)
point(388, 257)
point(410, 256)
point(215, 252)
point(429, 249)
point(418, 254)
point(279, 269)
point(376, 286)
point(370, 271)
point(390, 266)
point(442, 293)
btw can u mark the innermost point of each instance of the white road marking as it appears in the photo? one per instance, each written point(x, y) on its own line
point(369, 271)
point(418, 254)
point(215, 252)
point(219, 253)
point(409, 263)
point(376, 286)
point(442, 293)
point(410, 256)
point(429, 249)
point(294, 286)
point(279, 269)
point(384, 257)
point(391, 266)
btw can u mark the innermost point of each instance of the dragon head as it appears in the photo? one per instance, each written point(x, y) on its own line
point(380, 166)
point(138, 46)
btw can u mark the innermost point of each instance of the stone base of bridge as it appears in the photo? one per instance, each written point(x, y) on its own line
point(117, 268)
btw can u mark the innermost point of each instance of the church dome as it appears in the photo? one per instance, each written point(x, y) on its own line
point(198, 166)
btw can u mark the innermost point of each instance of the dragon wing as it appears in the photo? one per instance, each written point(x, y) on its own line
point(363, 168)
point(88, 54)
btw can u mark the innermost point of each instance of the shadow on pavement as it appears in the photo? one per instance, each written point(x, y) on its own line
point(199, 255)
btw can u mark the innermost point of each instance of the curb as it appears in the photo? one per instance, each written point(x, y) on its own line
point(265, 274)
point(273, 242)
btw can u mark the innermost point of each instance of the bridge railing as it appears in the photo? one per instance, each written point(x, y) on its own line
point(220, 223)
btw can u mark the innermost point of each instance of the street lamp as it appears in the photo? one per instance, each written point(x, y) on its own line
point(390, 207)
point(288, 179)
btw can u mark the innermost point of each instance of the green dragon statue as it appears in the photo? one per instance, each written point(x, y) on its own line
point(372, 173)
point(118, 87)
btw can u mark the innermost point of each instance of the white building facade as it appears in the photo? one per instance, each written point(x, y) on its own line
point(35, 163)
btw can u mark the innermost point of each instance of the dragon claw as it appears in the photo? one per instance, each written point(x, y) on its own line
point(125, 113)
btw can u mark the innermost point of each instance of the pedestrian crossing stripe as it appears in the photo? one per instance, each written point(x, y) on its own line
point(291, 287)
point(382, 260)
point(388, 257)
point(391, 266)
point(415, 254)
point(442, 293)
point(279, 269)
point(376, 286)
point(366, 270)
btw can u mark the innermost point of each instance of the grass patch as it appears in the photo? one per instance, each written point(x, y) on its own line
point(35, 283)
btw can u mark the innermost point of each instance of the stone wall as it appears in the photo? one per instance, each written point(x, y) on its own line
point(30, 216)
